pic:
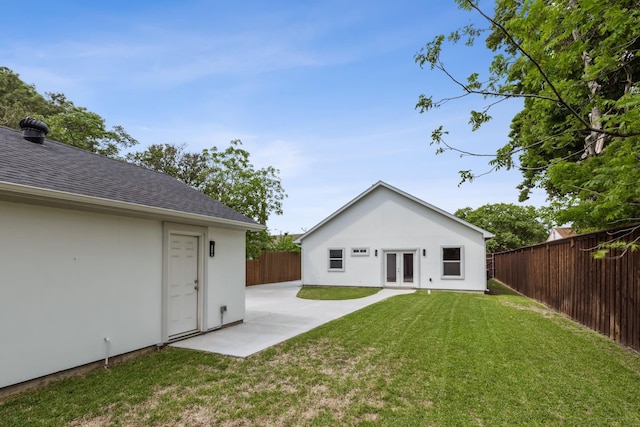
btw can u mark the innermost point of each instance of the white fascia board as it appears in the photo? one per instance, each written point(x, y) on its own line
point(19, 192)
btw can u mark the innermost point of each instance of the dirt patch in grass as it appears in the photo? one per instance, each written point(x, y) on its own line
point(99, 421)
point(195, 417)
point(534, 308)
point(327, 379)
point(135, 414)
point(301, 385)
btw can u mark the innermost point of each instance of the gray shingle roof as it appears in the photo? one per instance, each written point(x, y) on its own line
point(59, 167)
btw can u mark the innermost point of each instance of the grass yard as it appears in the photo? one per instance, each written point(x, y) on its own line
point(335, 293)
point(444, 359)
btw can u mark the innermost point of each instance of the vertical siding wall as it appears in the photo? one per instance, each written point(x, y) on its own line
point(603, 295)
point(272, 267)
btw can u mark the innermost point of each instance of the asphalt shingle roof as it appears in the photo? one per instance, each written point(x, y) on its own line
point(60, 167)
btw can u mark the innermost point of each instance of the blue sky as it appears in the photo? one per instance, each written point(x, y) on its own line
point(322, 90)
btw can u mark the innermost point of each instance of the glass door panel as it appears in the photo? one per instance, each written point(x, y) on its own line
point(407, 268)
point(391, 268)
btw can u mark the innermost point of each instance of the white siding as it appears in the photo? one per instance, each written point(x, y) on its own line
point(69, 280)
point(226, 276)
point(386, 220)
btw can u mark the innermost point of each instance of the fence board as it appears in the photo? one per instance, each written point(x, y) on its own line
point(603, 295)
point(272, 267)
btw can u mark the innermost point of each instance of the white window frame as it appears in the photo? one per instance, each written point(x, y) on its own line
point(360, 251)
point(443, 261)
point(341, 258)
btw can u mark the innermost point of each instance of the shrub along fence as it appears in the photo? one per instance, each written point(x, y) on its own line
point(602, 294)
point(272, 267)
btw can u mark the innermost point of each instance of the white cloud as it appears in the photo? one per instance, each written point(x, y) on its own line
point(151, 55)
point(285, 156)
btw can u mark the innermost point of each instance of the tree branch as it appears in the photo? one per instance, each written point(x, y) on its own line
point(559, 97)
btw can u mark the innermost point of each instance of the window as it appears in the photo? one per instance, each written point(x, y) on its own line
point(336, 259)
point(452, 262)
point(359, 251)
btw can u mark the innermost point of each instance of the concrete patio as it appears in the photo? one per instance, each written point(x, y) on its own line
point(273, 315)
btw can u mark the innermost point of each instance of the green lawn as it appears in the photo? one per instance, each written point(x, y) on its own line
point(335, 293)
point(444, 359)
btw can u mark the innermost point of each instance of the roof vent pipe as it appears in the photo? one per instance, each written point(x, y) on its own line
point(34, 130)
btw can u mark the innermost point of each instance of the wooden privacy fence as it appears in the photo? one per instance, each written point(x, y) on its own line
point(602, 294)
point(272, 267)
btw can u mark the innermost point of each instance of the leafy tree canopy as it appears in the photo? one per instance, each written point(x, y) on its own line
point(67, 122)
point(284, 243)
point(575, 64)
point(225, 175)
point(513, 226)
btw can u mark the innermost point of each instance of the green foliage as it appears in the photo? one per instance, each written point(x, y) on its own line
point(576, 65)
point(67, 122)
point(234, 181)
point(513, 226)
point(225, 175)
point(190, 168)
point(84, 129)
point(619, 244)
point(19, 100)
point(283, 243)
point(256, 242)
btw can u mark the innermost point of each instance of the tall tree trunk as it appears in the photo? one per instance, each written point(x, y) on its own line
point(594, 142)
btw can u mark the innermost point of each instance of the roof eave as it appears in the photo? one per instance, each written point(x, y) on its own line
point(55, 198)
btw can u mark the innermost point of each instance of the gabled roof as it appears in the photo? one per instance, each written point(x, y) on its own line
point(560, 233)
point(565, 231)
point(61, 175)
point(485, 233)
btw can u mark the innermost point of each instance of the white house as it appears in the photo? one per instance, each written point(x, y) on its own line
point(558, 233)
point(99, 257)
point(386, 237)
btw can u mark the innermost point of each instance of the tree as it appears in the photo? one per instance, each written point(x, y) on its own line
point(67, 122)
point(284, 243)
point(225, 175)
point(19, 100)
point(84, 129)
point(513, 226)
point(575, 65)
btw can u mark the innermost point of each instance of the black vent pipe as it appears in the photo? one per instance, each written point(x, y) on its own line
point(34, 130)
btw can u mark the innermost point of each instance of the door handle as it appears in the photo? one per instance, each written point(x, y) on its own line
point(196, 284)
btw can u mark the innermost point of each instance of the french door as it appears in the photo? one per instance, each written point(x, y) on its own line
point(399, 268)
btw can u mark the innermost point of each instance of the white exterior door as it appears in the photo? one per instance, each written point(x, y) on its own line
point(399, 268)
point(183, 285)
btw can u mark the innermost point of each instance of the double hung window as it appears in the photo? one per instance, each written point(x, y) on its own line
point(336, 259)
point(452, 262)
